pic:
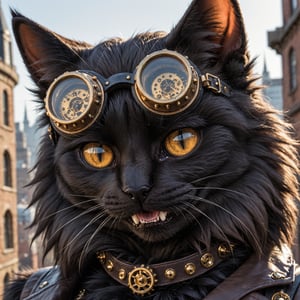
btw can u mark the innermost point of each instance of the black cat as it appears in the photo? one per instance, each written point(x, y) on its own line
point(165, 174)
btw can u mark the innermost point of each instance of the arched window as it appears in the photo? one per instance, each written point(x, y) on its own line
point(6, 111)
point(8, 230)
point(6, 280)
point(292, 70)
point(7, 169)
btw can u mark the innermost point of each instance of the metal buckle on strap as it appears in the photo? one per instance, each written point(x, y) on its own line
point(212, 82)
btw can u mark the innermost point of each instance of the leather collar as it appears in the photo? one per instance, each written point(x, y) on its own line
point(142, 279)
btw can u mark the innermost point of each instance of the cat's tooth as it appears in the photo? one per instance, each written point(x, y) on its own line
point(135, 219)
point(163, 216)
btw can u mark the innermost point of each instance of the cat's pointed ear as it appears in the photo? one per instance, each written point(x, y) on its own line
point(211, 26)
point(44, 52)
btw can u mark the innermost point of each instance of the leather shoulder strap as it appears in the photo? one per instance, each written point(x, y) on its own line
point(41, 284)
point(294, 289)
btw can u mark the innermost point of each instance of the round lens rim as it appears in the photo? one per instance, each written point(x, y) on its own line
point(190, 93)
point(91, 113)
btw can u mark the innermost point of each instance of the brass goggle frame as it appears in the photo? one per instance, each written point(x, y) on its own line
point(165, 83)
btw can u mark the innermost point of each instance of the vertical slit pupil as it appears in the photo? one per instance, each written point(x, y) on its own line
point(99, 151)
point(181, 139)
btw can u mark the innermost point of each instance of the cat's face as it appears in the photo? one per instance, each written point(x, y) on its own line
point(139, 169)
point(216, 171)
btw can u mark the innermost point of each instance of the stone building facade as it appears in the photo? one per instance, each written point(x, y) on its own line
point(8, 186)
point(286, 40)
point(27, 144)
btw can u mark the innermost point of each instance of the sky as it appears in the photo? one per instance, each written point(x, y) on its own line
point(96, 20)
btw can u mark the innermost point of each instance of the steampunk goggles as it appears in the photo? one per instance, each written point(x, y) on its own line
point(165, 83)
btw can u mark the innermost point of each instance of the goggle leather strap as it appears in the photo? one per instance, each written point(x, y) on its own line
point(208, 80)
point(215, 84)
point(118, 80)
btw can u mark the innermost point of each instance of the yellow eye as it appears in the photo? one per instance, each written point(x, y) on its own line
point(182, 141)
point(97, 155)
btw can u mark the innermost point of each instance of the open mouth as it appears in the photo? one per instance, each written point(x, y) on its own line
point(149, 217)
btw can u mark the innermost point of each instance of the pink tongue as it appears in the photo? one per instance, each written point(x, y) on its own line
point(148, 217)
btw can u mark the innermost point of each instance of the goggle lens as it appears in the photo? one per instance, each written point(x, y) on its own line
point(164, 79)
point(74, 101)
point(70, 99)
point(166, 83)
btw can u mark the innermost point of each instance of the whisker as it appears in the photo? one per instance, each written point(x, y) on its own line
point(187, 210)
point(232, 215)
point(96, 218)
point(212, 176)
point(80, 195)
point(113, 223)
point(219, 189)
point(68, 208)
point(99, 228)
point(83, 213)
point(178, 211)
point(198, 210)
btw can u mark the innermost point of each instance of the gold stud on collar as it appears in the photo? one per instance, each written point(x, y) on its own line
point(122, 274)
point(101, 256)
point(190, 268)
point(170, 273)
point(207, 260)
point(224, 250)
point(109, 265)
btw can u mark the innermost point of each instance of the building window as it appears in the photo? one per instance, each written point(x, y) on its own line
point(294, 5)
point(7, 169)
point(5, 108)
point(292, 70)
point(8, 227)
point(6, 281)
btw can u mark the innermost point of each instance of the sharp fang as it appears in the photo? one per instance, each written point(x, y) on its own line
point(163, 216)
point(135, 219)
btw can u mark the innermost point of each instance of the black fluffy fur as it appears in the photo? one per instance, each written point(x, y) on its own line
point(238, 186)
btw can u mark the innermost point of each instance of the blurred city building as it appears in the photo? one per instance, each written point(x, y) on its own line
point(27, 137)
point(8, 180)
point(286, 40)
point(273, 88)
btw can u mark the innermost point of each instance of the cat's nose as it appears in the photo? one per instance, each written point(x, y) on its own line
point(137, 194)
